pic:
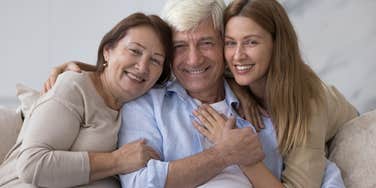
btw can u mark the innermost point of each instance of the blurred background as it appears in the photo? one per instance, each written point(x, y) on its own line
point(337, 38)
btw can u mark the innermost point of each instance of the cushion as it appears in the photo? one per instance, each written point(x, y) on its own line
point(11, 120)
point(10, 126)
point(354, 149)
point(27, 97)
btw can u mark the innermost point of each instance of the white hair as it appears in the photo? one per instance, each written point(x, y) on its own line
point(184, 15)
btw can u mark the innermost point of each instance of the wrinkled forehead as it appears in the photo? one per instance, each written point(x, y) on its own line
point(205, 29)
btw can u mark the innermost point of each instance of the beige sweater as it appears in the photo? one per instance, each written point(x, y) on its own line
point(66, 123)
point(305, 166)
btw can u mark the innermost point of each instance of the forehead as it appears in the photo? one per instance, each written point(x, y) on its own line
point(204, 30)
point(242, 25)
point(144, 35)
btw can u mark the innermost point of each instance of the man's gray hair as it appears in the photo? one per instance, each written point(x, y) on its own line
point(185, 15)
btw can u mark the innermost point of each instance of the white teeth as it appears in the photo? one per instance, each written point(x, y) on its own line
point(195, 71)
point(134, 77)
point(243, 67)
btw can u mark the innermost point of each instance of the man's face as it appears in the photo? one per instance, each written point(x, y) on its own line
point(198, 63)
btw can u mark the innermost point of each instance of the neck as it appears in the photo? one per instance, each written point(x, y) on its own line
point(258, 89)
point(103, 88)
point(211, 95)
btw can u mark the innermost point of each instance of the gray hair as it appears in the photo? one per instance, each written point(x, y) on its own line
point(185, 15)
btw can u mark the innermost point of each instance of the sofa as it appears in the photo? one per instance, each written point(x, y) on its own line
point(353, 148)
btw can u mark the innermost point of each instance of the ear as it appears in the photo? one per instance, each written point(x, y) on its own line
point(106, 53)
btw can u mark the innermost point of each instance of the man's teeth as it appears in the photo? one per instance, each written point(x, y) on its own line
point(135, 77)
point(243, 67)
point(195, 71)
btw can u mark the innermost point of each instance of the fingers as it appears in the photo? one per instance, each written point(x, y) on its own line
point(230, 123)
point(72, 66)
point(201, 129)
point(209, 117)
point(206, 119)
point(151, 153)
point(213, 113)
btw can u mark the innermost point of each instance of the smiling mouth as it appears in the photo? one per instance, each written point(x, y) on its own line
point(135, 76)
point(243, 68)
point(195, 71)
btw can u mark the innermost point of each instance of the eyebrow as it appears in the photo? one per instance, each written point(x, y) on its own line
point(142, 46)
point(247, 36)
point(207, 38)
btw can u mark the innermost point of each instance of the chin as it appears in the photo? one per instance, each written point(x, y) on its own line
point(242, 82)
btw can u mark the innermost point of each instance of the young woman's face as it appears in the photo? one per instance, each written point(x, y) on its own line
point(135, 63)
point(248, 50)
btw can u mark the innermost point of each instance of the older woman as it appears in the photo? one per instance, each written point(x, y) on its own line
point(70, 137)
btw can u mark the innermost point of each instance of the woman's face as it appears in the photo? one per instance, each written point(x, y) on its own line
point(135, 63)
point(248, 50)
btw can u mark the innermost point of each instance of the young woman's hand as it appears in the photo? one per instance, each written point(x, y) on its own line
point(212, 123)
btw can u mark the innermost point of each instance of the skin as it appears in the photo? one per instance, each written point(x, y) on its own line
point(134, 65)
point(213, 126)
point(199, 66)
point(248, 51)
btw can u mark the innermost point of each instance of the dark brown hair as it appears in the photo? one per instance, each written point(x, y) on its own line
point(161, 28)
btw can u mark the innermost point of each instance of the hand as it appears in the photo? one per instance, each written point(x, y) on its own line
point(249, 108)
point(239, 146)
point(133, 156)
point(212, 123)
point(68, 66)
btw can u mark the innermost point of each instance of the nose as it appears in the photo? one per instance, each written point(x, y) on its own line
point(194, 56)
point(143, 65)
point(239, 52)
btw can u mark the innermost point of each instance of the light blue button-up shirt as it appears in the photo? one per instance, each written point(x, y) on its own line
point(164, 118)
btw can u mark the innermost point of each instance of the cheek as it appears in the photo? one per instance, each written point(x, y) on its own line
point(155, 74)
point(228, 54)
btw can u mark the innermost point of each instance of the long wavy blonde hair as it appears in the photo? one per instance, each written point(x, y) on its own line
point(292, 87)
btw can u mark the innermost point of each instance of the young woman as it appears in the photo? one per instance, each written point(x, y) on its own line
point(70, 137)
point(261, 49)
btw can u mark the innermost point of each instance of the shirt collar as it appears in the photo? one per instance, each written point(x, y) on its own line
point(175, 87)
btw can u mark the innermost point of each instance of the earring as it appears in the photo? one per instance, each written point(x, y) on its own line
point(105, 64)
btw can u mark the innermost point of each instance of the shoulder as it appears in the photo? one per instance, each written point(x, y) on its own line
point(71, 89)
point(145, 102)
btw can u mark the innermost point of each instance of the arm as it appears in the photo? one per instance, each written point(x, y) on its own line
point(46, 159)
point(305, 165)
point(187, 172)
point(214, 124)
point(236, 146)
point(68, 66)
point(260, 176)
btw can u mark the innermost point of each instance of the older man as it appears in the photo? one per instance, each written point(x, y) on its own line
point(164, 116)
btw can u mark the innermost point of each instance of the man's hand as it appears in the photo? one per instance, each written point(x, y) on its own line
point(239, 146)
point(68, 66)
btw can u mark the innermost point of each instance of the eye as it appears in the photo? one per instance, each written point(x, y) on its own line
point(156, 61)
point(230, 43)
point(179, 45)
point(206, 44)
point(135, 51)
point(250, 42)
